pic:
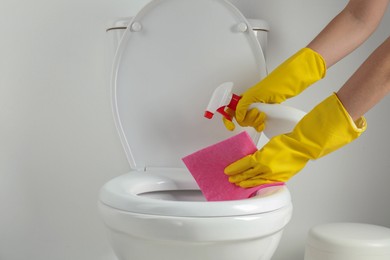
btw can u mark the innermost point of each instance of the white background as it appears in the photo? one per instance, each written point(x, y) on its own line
point(58, 143)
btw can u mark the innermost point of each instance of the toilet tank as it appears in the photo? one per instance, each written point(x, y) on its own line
point(116, 29)
point(260, 28)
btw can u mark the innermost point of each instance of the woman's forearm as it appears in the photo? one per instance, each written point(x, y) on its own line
point(349, 29)
point(369, 84)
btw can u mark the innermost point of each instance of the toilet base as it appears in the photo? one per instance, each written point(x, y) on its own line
point(136, 236)
point(135, 248)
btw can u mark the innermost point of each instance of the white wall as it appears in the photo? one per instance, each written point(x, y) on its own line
point(58, 143)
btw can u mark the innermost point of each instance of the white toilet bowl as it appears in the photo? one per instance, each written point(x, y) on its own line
point(172, 56)
point(163, 215)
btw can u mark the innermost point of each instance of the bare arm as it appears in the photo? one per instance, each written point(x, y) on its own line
point(369, 84)
point(349, 29)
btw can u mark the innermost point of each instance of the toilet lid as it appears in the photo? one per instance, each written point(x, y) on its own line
point(172, 56)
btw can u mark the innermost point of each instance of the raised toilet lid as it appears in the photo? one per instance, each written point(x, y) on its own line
point(171, 58)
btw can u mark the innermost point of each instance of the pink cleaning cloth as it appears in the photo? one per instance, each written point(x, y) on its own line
point(207, 167)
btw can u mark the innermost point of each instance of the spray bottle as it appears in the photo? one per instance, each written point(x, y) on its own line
point(280, 119)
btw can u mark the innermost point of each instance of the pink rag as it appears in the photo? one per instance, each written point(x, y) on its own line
point(207, 167)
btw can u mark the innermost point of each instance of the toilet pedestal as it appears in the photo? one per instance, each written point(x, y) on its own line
point(348, 241)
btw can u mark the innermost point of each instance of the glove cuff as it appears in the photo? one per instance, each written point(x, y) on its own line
point(294, 75)
point(307, 66)
point(315, 61)
point(358, 126)
point(327, 128)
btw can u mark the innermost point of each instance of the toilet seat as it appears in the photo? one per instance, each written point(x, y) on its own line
point(125, 193)
point(172, 56)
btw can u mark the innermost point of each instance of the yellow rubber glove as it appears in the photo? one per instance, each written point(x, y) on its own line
point(326, 128)
point(253, 118)
point(289, 79)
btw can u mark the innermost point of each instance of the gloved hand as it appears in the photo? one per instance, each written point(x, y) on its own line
point(254, 118)
point(287, 80)
point(326, 128)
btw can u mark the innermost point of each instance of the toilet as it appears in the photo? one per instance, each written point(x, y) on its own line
point(170, 58)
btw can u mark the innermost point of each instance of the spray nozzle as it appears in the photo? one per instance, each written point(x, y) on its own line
point(222, 97)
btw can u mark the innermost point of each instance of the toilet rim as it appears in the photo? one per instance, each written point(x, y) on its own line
point(122, 193)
